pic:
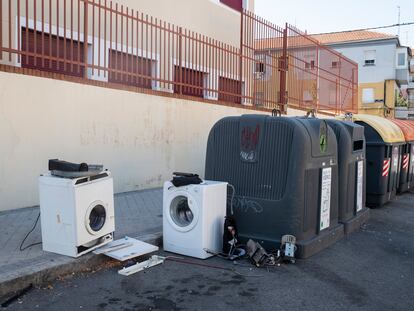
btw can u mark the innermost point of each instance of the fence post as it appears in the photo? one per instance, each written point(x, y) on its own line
point(283, 93)
point(85, 36)
point(180, 65)
point(355, 98)
point(338, 96)
point(1, 29)
point(241, 54)
point(340, 100)
point(318, 81)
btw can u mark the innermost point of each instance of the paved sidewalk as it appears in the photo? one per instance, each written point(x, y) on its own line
point(137, 214)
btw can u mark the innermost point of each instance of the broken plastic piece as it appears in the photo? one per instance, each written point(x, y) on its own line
point(256, 252)
point(140, 266)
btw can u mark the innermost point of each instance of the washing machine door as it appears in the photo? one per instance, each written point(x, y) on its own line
point(182, 211)
point(96, 217)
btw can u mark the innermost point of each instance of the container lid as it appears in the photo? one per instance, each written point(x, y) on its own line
point(407, 127)
point(389, 131)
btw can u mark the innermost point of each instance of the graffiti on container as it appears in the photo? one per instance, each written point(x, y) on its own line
point(248, 156)
point(249, 143)
point(250, 137)
point(245, 205)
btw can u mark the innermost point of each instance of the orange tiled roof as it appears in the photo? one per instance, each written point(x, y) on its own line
point(351, 36)
point(325, 39)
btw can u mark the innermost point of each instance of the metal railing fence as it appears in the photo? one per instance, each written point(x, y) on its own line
point(101, 40)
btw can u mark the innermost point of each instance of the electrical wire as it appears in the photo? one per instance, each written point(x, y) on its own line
point(369, 28)
point(230, 255)
point(27, 235)
point(188, 262)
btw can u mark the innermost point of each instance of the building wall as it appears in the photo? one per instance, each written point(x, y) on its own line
point(385, 66)
point(384, 95)
point(141, 138)
point(380, 77)
point(208, 17)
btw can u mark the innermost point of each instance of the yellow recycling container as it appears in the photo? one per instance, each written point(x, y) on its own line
point(385, 142)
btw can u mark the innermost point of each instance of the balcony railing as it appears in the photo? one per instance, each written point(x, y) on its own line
point(103, 41)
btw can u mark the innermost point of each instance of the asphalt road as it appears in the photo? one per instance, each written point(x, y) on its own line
point(372, 269)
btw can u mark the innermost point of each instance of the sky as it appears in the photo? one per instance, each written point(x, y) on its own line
point(319, 16)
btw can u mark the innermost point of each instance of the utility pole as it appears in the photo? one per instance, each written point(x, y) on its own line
point(399, 20)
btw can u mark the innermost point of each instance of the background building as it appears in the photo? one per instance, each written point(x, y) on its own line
point(408, 112)
point(383, 67)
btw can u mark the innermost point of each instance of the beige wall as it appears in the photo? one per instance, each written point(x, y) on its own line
point(378, 108)
point(208, 17)
point(141, 138)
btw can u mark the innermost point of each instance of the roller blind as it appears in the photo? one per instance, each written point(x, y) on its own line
point(368, 96)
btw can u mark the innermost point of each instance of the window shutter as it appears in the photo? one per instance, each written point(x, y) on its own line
point(368, 96)
point(369, 57)
point(50, 45)
point(229, 89)
point(193, 81)
point(134, 70)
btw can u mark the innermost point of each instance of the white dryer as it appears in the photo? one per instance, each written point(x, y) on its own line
point(77, 215)
point(193, 218)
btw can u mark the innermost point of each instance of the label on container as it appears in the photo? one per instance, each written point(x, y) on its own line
point(360, 185)
point(395, 158)
point(412, 154)
point(325, 198)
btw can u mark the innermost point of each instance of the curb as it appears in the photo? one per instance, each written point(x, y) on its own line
point(36, 274)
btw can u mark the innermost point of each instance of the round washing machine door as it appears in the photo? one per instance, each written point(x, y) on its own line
point(95, 218)
point(182, 211)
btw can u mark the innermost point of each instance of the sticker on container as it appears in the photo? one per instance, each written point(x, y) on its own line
point(386, 168)
point(325, 198)
point(395, 158)
point(406, 159)
point(412, 154)
point(360, 184)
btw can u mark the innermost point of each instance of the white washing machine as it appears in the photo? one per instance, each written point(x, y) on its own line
point(77, 215)
point(193, 218)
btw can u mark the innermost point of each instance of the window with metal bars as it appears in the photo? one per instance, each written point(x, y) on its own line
point(53, 53)
point(130, 69)
point(189, 81)
point(229, 90)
